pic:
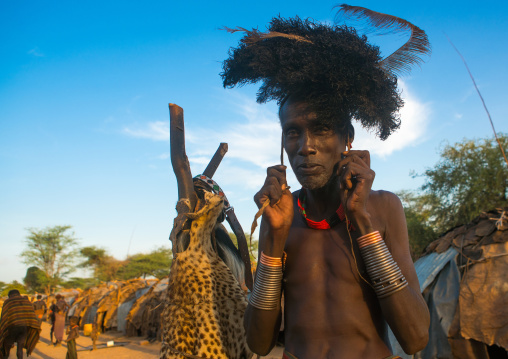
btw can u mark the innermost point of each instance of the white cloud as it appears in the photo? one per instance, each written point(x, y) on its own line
point(35, 52)
point(164, 156)
point(415, 117)
point(256, 140)
point(156, 131)
point(199, 160)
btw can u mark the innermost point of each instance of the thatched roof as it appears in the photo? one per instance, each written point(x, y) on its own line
point(468, 239)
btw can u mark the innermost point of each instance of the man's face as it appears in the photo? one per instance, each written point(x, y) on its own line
point(313, 148)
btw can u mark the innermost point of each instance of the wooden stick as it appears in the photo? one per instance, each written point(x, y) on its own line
point(242, 246)
point(179, 159)
point(231, 216)
point(216, 160)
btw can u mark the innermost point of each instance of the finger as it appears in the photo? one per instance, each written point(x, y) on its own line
point(346, 178)
point(353, 159)
point(272, 190)
point(352, 173)
point(354, 162)
point(363, 154)
point(279, 172)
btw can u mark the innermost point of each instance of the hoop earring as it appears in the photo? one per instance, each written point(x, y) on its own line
point(349, 144)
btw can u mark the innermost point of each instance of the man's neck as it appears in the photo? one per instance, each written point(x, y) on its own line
point(322, 202)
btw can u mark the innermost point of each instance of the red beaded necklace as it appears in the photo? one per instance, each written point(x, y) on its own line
point(337, 217)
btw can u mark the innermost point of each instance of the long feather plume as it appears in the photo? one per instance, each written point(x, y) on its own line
point(255, 35)
point(409, 54)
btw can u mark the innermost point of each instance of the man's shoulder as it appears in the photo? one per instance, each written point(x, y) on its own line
point(383, 202)
point(17, 302)
point(17, 299)
point(383, 197)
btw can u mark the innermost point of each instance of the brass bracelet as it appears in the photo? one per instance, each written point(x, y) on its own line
point(270, 261)
point(384, 273)
point(267, 287)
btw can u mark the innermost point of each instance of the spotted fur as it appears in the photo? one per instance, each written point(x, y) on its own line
point(203, 315)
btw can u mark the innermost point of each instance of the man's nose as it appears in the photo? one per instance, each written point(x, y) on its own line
point(307, 144)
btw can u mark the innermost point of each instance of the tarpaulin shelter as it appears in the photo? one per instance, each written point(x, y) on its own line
point(125, 307)
point(144, 319)
point(463, 280)
point(112, 304)
point(86, 305)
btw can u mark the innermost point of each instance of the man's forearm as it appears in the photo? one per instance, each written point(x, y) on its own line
point(408, 317)
point(403, 306)
point(262, 328)
point(263, 314)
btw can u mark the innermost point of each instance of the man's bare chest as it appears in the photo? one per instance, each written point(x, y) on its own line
point(327, 303)
point(322, 256)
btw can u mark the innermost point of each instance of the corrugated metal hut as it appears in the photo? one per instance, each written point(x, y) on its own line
point(463, 277)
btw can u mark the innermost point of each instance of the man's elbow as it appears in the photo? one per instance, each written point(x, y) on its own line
point(258, 348)
point(416, 343)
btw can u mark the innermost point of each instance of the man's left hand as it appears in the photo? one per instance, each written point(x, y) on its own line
point(355, 179)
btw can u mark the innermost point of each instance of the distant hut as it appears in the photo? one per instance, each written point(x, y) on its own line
point(144, 319)
point(113, 308)
point(86, 305)
point(463, 278)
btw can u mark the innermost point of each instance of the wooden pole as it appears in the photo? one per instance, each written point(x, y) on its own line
point(179, 159)
point(216, 160)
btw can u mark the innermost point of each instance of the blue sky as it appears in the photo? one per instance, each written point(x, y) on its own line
point(84, 122)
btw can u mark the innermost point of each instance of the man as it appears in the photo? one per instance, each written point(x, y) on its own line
point(39, 308)
point(94, 335)
point(337, 249)
point(52, 317)
point(60, 311)
point(72, 335)
point(18, 324)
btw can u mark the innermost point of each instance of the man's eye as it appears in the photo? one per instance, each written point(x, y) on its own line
point(291, 133)
point(323, 129)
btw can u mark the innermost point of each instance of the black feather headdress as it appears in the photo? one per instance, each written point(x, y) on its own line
point(337, 72)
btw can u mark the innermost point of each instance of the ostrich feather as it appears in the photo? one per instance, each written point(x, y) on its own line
point(409, 54)
point(256, 35)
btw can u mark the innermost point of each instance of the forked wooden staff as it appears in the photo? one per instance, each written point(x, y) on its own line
point(187, 197)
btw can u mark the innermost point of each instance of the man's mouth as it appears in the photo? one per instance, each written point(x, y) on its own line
point(309, 168)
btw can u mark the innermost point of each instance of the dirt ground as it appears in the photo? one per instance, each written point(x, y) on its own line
point(132, 349)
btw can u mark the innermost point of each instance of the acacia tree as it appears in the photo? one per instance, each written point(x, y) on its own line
point(155, 263)
point(471, 177)
point(35, 280)
point(104, 266)
point(51, 250)
point(420, 232)
point(75, 282)
point(12, 285)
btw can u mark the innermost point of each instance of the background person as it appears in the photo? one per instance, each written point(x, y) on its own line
point(61, 308)
point(40, 308)
point(72, 335)
point(18, 324)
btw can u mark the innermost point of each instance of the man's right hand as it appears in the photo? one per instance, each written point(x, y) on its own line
point(278, 216)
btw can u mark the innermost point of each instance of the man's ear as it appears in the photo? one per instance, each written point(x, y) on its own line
point(350, 136)
point(351, 133)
